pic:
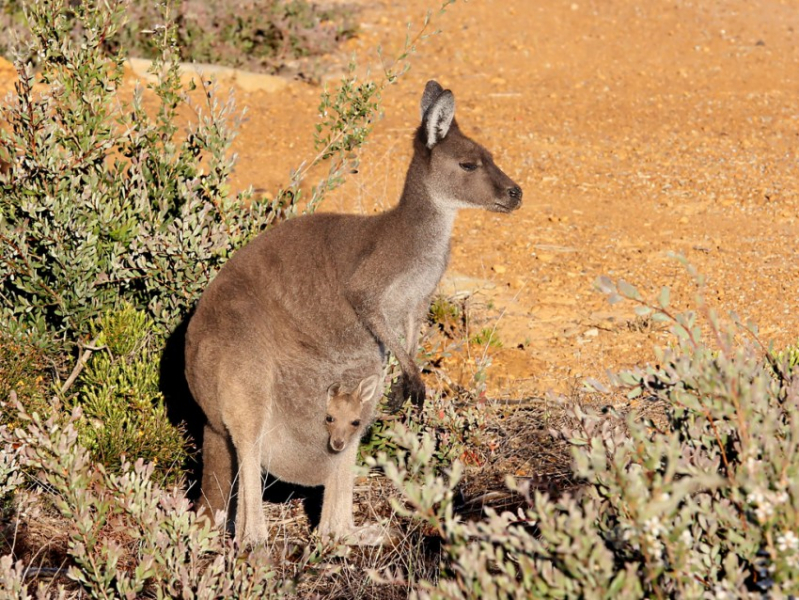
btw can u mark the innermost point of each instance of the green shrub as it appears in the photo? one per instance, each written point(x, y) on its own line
point(122, 410)
point(701, 502)
point(487, 336)
point(127, 537)
point(102, 201)
point(446, 315)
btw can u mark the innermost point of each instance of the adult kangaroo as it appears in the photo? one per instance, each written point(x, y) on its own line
point(319, 299)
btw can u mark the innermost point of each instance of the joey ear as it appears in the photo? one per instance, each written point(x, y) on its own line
point(431, 91)
point(438, 118)
point(367, 387)
point(333, 390)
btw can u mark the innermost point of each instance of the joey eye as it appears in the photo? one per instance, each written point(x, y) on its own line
point(356, 423)
point(329, 419)
point(468, 166)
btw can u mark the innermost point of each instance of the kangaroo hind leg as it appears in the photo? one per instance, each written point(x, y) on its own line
point(218, 458)
point(245, 422)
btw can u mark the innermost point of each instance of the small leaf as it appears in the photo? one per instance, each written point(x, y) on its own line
point(629, 378)
point(604, 284)
point(596, 385)
point(628, 290)
point(663, 298)
point(634, 393)
point(614, 298)
point(642, 310)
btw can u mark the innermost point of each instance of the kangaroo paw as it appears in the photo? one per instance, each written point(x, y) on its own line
point(416, 391)
point(402, 389)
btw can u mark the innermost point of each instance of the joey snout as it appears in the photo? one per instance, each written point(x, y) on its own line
point(341, 431)
point(337, 445)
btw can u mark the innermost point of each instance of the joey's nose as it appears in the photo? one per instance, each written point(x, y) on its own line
point(337, 445)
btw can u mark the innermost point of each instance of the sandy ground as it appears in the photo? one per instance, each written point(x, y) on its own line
point(636, 129)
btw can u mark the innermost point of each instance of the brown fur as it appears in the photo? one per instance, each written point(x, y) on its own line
point(322, 298)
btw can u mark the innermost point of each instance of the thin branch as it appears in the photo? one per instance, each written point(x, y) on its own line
point(82, 360)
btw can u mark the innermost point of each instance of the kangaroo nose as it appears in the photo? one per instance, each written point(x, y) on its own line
point(516, 193)
point(338, 445)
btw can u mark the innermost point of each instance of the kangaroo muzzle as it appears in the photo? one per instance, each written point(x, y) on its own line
point(511, 200)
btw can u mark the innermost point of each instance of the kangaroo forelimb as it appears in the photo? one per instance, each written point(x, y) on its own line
point(410, 384)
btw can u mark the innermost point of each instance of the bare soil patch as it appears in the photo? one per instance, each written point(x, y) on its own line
point(635, 130)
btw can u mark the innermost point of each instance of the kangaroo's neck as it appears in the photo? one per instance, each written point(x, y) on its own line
point(420, 212)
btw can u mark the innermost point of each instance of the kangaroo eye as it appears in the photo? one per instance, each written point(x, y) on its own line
point(468, 166)
point(329, 419)
point(356, 423)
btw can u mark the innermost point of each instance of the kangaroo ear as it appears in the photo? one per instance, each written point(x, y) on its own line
point(333, 390)
point(438, 118)
point(431, 91)
point(367, 388)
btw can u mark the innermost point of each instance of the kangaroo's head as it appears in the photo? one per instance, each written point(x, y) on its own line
point(345, 417)
point(461, 173)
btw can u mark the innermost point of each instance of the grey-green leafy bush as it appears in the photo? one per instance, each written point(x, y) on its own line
point(701, 502)
point(128, 537)
point(102, 201)
point(456, 427)
point(256, 34)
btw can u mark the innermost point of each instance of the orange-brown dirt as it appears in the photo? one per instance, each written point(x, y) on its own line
point(636, 129)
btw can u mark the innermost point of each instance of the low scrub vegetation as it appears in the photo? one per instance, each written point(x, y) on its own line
point(113, 219)
point(260, 35)
point(699, 500)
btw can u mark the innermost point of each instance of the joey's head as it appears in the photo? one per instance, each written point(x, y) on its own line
point(347, 414)
point(461, 172)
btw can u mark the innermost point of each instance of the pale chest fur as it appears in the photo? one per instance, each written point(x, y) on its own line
point(419, 279)
point(413, 286)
